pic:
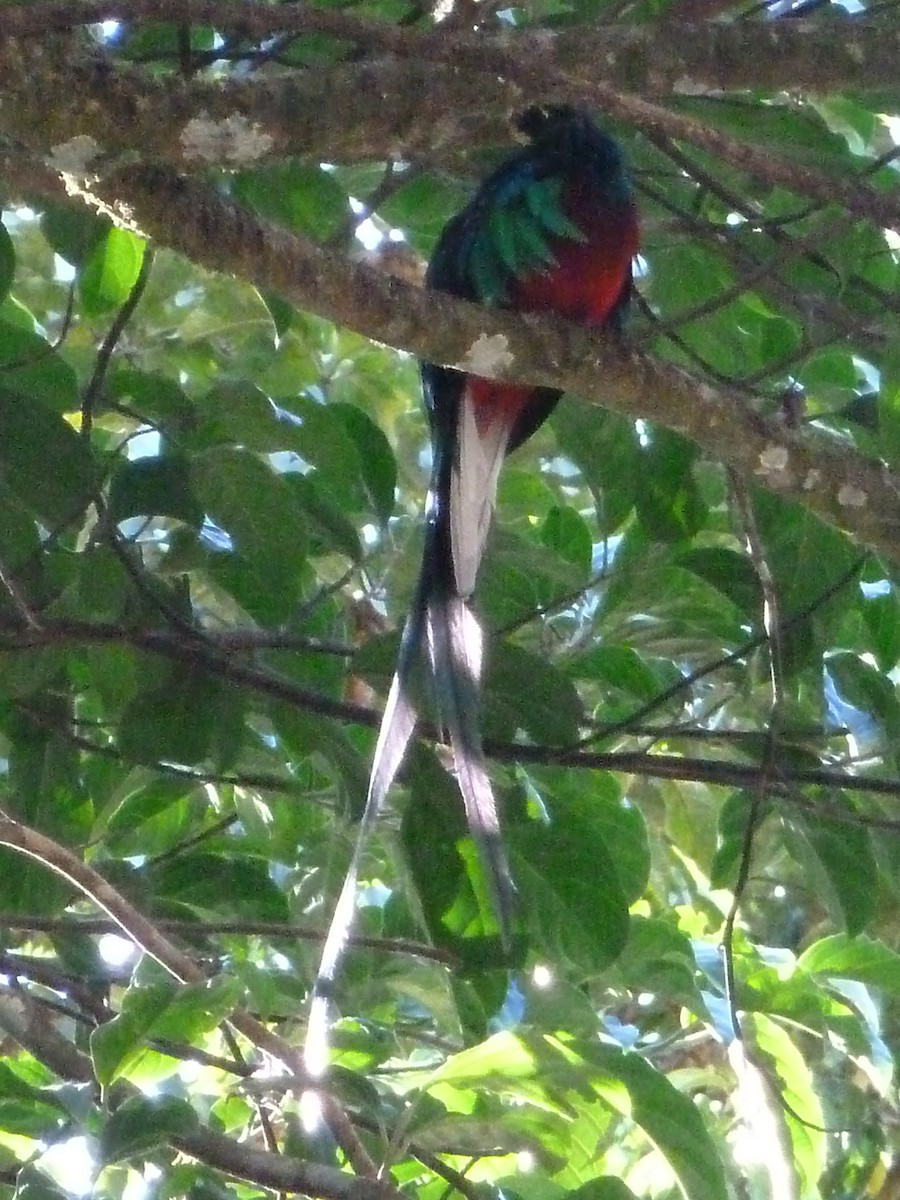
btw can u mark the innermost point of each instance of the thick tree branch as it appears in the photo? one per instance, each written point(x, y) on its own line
point(88, 881)
point(758, 161)
point(856, 494)
point(857, 53)
point(425, 110)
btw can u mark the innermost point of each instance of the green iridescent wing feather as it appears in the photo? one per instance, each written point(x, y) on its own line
point(513, 237)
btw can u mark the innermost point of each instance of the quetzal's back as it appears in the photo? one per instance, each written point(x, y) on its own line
point(553, 229)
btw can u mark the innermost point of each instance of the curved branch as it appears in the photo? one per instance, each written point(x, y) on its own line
point(90, 883)
point(278, 1171)
point(147, 936)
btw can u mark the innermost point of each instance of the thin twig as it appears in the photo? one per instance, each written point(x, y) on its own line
point(209, 928)
point(107, 347)
point(756, 808)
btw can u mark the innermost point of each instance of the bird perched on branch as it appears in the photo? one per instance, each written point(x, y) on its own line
point(554, 229)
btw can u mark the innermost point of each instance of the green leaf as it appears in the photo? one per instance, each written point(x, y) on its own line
point(881, 614)
point(623, 1082)
point(163, 39)
point(808, 1138)
point(31, 436)
point(606, 1187)
point(155, 487)
point(143, 801)
point(319, 433)
point(327, 525)
point(667, 611)
point(579, 869)
point(659, 959)
point(241, 414)
point(33, 369)
point(806, 558)
point(422, 207)
point(71, 230)
point(298, 195)
point(829, 376)
point(117, 1043)
point(687, 274)
point(519, 577)
point(306, 733)
point(33, 1184)
point(779, 127)
point(567, 533)
point(670, 1120)
point(43, 774)
point(730, 572)
point(257, 508)
point(888, 406)
point(666, 496)
point(805, 554)
point(503, 1056)
point(620, 668)
point(524, 691)
point(7, 262)
point(282, 312)
point(732, 833)
point(605, 449)
point(196, 1009)
point(110, 271)
point(182, 720)
point(867, 689)
point(445, 868)
point(377, 462)
point(266, 594)
point(863, 958)
point(210, 883)
point(45, 791)
point(141, 1124)
point(847, 859)
point(156, 397)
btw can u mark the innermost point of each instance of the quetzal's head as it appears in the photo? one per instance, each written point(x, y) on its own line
point(564, 137)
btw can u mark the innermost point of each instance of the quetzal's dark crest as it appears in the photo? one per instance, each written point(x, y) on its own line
point(553, 229)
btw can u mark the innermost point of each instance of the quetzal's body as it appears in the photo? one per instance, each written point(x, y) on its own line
point(553, 229)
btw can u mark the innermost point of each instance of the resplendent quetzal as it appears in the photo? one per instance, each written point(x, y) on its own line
point(553, 229)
